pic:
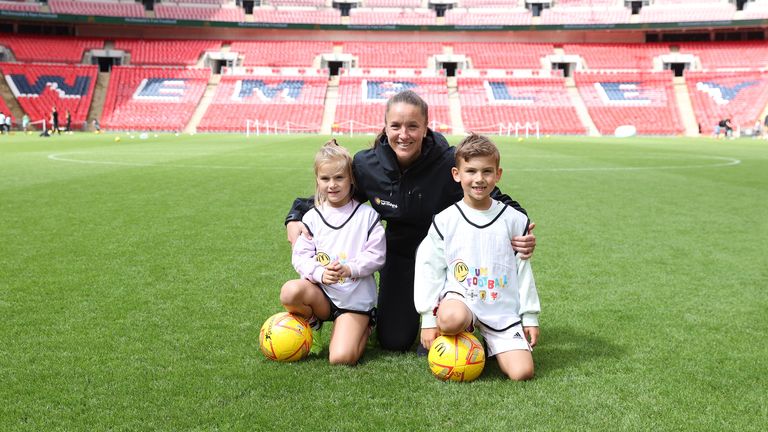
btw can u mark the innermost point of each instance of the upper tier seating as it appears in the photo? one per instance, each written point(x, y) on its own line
point(740, 96)
point(487, 103)
point(393, 54)
point(152, 98)
point(20, 6)
point(95, 7)
point(40, 87)
point(498, 4)
point(755, 10)
point(504, 55)
point(305, 3)
point(487, 16)
point(59, 49)
point(585, 15)
point(589, 3)
point(362, 101)
point(412, 4)
point(166, 52)
point(389, 16)
point(618, 56)
point(199, 12)
point(280, 53)
point(294, 104)
point(675, 13)
point(644, 100)
point(717, 55)
point(296, 15)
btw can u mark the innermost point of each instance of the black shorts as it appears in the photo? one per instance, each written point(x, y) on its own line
point(337, 311)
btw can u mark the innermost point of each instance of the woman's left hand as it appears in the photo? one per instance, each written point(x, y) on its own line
point(524, 245)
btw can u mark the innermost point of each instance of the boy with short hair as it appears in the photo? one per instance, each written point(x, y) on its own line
point(467, 273)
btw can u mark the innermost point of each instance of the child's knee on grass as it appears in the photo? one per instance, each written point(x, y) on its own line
point(517, 365)
point(291, 292)
point(453, 317)
point(348, 340)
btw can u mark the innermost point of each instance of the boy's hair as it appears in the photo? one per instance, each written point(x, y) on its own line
point(331, 152)
point(474, 146)
point(406, 96)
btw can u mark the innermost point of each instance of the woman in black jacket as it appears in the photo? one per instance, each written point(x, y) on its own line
point(406, 176)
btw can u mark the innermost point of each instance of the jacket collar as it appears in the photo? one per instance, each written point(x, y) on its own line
point(429, 151)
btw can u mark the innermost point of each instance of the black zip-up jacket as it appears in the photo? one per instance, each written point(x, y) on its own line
point(406, 199)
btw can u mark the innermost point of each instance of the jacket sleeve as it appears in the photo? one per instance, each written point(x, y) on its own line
point(506, 199)
point(429, 277)
point(299, 208)
point(373, 254)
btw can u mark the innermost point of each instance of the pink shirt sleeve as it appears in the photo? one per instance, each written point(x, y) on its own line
point(303, 260)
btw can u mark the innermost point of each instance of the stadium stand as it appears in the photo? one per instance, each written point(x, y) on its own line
point(296, 15)
point(4, 109)
point(589, 3)
point(489, 105)
point(152, 98)
point(59, 49)
point(393, 54)
point(199, 12)
point(645, 100)
point(487, 16)
point(289, 103)
point(40, 87)
point(720, 55)
point(95, 7)
point(755, 10)
point(504, 55)
point(389, 16)
point(280, 53)
point(618, 56)
point(18, 6)
point(166, 52)
point(412, 4)
point(740, 96)
point(362, 101)
point(586, 15)
point(675, 13)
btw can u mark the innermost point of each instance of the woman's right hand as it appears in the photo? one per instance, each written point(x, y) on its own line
point(294, 229)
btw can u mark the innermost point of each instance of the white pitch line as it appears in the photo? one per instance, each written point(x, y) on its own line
point(726, 161)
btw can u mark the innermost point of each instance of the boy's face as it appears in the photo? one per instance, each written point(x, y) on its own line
point(477, 176)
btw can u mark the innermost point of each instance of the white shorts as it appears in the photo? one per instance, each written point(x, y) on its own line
point(497, 342)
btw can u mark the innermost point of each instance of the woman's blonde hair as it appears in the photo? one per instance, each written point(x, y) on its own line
point(332, 153)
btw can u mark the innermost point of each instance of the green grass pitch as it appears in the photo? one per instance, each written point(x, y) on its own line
point(135, 275)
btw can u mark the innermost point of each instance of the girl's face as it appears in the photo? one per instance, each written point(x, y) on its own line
point(335, 183)
point(406, 128)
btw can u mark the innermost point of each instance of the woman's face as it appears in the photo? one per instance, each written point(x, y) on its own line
point(406, 128)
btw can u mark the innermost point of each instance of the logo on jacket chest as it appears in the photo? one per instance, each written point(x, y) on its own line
point(385, 203)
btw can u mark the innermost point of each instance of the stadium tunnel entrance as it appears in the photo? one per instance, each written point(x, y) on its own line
point(105, 59)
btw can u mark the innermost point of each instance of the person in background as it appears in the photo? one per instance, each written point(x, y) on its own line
point(55, 121)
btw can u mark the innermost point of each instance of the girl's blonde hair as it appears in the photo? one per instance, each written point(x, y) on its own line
point(332, 153)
